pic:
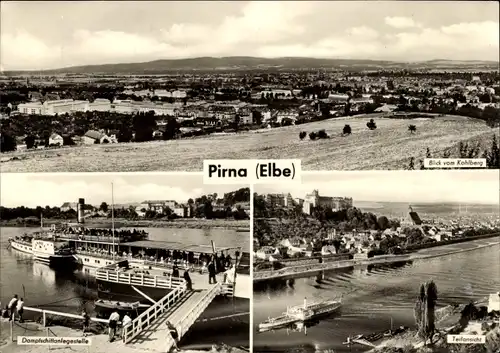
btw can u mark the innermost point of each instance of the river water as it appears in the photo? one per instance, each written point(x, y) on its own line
point(69, 292)
point(372, 296)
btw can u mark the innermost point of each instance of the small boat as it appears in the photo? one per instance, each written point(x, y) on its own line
point(120, 306)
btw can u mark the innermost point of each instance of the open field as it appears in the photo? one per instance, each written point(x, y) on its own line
point(390, 146)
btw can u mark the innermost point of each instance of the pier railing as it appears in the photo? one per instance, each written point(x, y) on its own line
point(58, 313)
point(188, 320)
point(146, 318)
point(140, 279)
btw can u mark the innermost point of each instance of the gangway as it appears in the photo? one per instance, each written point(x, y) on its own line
point(181, 309)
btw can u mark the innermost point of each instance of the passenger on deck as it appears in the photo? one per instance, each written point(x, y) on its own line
point(211, 273)
point(175, 271)
point(187, 278)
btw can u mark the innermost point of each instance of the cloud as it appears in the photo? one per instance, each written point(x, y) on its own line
point(24, 48)
point(262, 28)
point(401, 22)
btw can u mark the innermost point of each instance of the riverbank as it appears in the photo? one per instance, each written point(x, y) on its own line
point(422, 254)
point(193, 223)
point(99, 342)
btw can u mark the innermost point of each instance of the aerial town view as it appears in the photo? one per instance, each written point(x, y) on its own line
point(383, 86)
point(134, 263)
point(377, 261)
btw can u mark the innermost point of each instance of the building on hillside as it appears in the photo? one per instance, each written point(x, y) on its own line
point(95, 137)
point(412, 219)
point(313, 200)
point(32, 108)
point(282, 200)
point(56, 140)
point(183, 211)
point(64, 106)
point(100, 105)
point(494, 302)
point(158, 206)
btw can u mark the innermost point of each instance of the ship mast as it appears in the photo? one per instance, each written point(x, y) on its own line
point(113, 219)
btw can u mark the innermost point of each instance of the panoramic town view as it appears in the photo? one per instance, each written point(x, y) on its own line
point(387, 77)
point(377, 261)
point(165, 258)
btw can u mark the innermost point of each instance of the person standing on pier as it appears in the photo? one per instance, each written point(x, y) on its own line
point(174, 334)
point(12, 307)
point(86, 322)
point(187, 278)
point(127, 320)
point(20, 309)
point(211, 272)
point(113, 324)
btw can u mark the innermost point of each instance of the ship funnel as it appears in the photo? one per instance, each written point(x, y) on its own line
point(80, 210)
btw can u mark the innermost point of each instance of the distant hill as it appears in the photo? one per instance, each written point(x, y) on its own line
point(254, 63)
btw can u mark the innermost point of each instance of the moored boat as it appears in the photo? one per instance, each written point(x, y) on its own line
point(300, 314)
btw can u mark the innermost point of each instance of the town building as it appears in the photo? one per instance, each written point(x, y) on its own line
point(92, 137)
point(56, 139)
point(314, 200)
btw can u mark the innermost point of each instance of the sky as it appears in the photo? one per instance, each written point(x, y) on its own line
point(39, 35)
point(439, 186)
point(31, 190)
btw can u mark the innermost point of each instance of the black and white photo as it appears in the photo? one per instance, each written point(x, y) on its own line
point(163, 85)
point(144, 254)
point(377, 261)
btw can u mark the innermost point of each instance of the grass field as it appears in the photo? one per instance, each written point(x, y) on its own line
point(388, 147)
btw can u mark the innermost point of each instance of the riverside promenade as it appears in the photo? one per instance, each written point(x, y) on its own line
point(443, 250)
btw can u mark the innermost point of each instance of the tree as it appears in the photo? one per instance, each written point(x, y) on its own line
point(103, 207)
point(346, 130)
point(371, 124)
point(412, 128)
point(383, 222)
point(322, 134)
point(493, 155)
point(7, 143)
point(312, 136)
point(411, 166)
point(425, 310)
point(302, 135)
point(171, 129)
point(30, 141)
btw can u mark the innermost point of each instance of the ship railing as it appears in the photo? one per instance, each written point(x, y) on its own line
point(58, 313)
point(141, 279)
point(227, 289)
point(102, 256)
point(189, 319)
point(147, 317)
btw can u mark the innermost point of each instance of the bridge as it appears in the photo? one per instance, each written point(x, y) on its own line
point(179, 308)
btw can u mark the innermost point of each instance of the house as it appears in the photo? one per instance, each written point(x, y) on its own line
point(182, 211)
point(56, 140)
point(95, 137)
point(157, 134)
point(265, 252)
point(328, 250)
point(494, 302)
